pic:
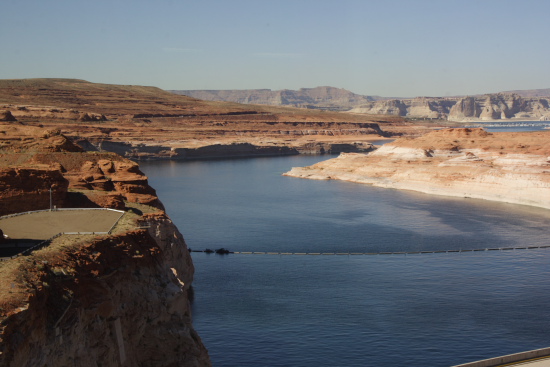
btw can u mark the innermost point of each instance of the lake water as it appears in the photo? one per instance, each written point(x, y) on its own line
point(520, 126)
point(353, 310)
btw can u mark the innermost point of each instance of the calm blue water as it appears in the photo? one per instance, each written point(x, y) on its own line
point(381, 310)
point(519, 126)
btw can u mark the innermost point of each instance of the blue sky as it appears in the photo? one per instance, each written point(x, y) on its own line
point(388, 47)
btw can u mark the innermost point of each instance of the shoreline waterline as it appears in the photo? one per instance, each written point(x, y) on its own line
point(414, 310)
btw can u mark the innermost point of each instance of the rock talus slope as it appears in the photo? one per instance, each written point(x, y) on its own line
point(507, 167)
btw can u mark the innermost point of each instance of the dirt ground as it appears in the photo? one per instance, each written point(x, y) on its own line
point(44, 225)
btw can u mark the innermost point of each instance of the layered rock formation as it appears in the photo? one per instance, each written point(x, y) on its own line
point(273, 138)
point(117, 180)
point(7, 116)
point(530, 105)
point(479, 108)
point(329, 98)
point(26, 189)
point(528, 93)
point(35, 112)
point(508, 167)
point(465, 108)
point(120, 300)
point(500, 107)
point(33, 161)
point(87, 300)
point(148, 123)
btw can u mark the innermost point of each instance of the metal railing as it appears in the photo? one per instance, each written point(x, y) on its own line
point(44, 243)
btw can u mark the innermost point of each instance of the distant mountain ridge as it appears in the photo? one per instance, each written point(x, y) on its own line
point(530, 93)
point(488, 107)
point(327, 98)
point(522, 104)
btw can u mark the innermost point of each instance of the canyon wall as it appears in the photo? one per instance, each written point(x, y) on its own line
point(267, 139)
point(479, 108)
point(119, 300)
point(26, 189)
point(320, 97)
point(530, 105)
point(149, 123)
point(217, 151)
point(92, 300)
point(500, 107)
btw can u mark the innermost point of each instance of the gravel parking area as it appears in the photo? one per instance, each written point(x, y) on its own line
point(44, 225)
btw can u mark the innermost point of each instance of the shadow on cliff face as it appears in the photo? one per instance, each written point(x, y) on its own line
point(79, 200)
point(135, 211)
point(94, 200)
point(191, 294)
point(13, 247)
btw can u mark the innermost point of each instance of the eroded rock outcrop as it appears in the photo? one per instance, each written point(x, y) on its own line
point(7, 116)
point(25, 112)
point(487, 107)
point(26, 189)
point(393, 107)
point(508, 167)
point(465, 108)
point(120, 300)
point(33, 160)
point(87, 300)
point(494, 107)
point(319, 97)
point(242, 149)
point(120, 179)
point(513, 104)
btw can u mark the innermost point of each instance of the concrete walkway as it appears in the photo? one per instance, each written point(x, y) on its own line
point(545, 362)
point(531, 358)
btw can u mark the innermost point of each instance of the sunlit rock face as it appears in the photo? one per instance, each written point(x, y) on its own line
point(508, 167)
point(115, 301)
point(480, 108)
point(119, 299)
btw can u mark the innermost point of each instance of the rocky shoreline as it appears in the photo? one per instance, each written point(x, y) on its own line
point(506, 167)
point(159, 151)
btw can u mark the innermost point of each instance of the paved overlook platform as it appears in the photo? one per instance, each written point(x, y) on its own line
point(521, 359)
point(28, 229)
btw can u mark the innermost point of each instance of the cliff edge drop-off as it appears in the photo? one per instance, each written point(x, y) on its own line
point(122, 298)
point(118, 299)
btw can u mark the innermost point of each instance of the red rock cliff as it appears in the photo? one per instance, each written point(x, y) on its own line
point(119, 300)
point(111, 300)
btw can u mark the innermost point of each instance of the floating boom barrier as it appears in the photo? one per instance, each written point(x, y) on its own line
point(225, 252)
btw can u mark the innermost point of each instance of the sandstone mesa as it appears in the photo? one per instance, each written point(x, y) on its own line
point(511, 105)
point(506, 167)
point(149, 123)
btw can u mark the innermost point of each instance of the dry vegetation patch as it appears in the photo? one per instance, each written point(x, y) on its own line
point(21, 277)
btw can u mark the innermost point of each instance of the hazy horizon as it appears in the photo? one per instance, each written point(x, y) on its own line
point(372, 95)
point(393, 48)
